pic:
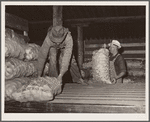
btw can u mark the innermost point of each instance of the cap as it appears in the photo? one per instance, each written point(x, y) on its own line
point(116, 43)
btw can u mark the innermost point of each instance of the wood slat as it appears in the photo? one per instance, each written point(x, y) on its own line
point(97, 20)
point(124, 55)
point(125, 52)
point(103, 96)
point(123, 90)
point(122, 41)
point(112, 92)
point(103, 93)
point(122, 44)
point(101, 101)
point(105, 87)
point(90, 59)
point(107, 90)
point(36, 107)
point(124, 48)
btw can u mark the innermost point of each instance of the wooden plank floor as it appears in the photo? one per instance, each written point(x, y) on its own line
point(95, 98)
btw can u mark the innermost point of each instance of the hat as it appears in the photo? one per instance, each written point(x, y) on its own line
point(116, 43)
point(57, 33)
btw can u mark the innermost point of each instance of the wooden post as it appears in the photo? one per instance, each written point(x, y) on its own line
point(57, 15)
point(80, 45)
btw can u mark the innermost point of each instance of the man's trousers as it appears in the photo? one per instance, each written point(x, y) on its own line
point(55, 60)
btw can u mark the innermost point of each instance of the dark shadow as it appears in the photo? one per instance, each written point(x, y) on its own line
point(121, 50)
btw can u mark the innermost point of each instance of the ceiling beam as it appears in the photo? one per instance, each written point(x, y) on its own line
point(94, 20)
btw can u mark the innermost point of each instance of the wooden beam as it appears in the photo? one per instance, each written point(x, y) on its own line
point(83, 25)
point(106, 19)
point(136, 52)
point(80, 45)
point(90, 59)
point(95, 20)
point(16, 22)
point(122, 44)
point(57, 15)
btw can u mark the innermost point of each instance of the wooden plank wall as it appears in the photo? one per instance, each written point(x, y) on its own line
point(133, 48)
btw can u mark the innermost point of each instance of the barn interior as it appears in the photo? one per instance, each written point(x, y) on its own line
point(90, 26)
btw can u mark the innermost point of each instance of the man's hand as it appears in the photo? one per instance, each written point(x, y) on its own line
point(59, 78)
point(113, 81)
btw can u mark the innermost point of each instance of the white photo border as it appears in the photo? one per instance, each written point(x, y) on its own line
point(72, 117)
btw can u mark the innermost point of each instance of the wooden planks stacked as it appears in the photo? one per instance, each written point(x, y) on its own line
point(132, 48)
point(96, 98)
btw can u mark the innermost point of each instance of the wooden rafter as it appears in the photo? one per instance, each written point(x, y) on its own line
point(96, 20)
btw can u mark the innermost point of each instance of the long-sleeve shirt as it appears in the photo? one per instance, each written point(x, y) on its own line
point(67, 44)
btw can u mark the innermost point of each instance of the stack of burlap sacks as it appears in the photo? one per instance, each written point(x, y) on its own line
point(98, 68)
point(21, 80)
point(136, 67)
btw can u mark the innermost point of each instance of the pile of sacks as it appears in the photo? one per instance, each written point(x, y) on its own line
point(136, 68)
point(20, 57)
point(21, 71)
point(16, 47)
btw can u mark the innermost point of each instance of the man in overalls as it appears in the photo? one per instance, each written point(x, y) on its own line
point(117, 63)
point(58, 38)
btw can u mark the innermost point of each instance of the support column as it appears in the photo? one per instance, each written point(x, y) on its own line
point(57, 15)
point(80, 44)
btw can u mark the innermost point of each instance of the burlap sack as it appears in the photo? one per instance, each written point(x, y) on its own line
point(39, 89)
point(132, 64)
point(137, 72)
point(14, 49)
point(13, 85)
point(31, 52)
point(17, 68)
point(100, 66)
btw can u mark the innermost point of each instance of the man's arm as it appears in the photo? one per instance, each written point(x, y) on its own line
point(120, 75)
point(67, 54)
point(43, 52)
